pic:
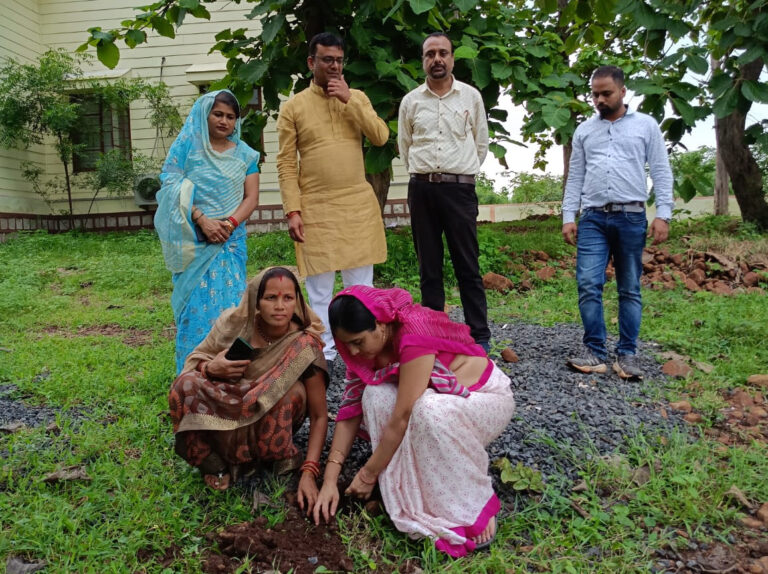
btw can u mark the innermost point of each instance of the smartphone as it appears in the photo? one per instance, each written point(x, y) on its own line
point(199, 235)
point(241, 350)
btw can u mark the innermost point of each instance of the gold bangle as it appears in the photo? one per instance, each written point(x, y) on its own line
point(339, 462)
point(343, 456)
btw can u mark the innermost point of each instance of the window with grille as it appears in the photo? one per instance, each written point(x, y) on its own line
point(102, 128)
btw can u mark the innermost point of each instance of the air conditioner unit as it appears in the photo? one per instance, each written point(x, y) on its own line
point(145, 187)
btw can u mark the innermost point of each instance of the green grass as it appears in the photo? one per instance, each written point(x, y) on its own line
point(57, 291)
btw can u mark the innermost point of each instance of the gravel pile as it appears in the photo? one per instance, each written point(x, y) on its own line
point(562, 417)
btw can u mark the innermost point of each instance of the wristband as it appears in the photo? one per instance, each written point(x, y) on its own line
point(290, 213)
point(233, 221)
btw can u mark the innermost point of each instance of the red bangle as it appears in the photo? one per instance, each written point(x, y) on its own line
point(311, 467)
point(290, 213)
point(204, 369)
point(233, 221)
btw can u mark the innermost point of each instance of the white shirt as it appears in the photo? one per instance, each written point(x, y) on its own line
point(443, 134)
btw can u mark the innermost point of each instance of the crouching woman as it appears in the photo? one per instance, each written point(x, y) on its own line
point(231, 414)
point(431, 401)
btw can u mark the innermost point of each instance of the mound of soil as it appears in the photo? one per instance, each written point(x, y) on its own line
point(295, 545)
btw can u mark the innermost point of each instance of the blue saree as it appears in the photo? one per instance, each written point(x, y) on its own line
point(207, 277)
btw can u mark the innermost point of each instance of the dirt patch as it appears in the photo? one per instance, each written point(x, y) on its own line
point(131, 336)
point(746, 552)
point(295, 545)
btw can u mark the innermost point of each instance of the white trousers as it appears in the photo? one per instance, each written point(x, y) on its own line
point(320, 292)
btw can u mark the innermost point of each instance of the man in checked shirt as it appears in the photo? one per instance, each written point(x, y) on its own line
point(607, 179)
point(443, 139)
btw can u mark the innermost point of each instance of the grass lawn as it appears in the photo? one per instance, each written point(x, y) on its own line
point(86, 330)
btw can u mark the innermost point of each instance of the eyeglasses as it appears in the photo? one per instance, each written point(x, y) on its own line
point(328, 60)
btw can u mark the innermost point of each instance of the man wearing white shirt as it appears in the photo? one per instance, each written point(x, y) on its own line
point(607, 180)
point(443, 140)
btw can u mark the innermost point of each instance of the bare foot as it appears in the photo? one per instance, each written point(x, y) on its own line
point(486, 535)
point(217, 481)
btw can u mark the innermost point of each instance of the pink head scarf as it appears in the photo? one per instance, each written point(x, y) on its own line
point(415, 326)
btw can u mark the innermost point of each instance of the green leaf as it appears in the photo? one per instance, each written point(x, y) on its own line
point(727, 103)
point(536, 51)
point(162, 26)
point(719, 84)
point(546, 6)
point(465, 53)
point(271, 28)
point(421, 6)
point(752, 54)
point(189, 4)
point(583, 10)
point(555, 117)
point(501, 70)
point(755, 91)
point(406, 81)
point(99, 34)
point(135, 37)
point(108, 53)
point(685, 110)
point(481, 73)
point(465, 6)
point(646, 87)
point(497, 150)
point(604, 10)
point(378, 159)
point(253, 71)
point(697, 64)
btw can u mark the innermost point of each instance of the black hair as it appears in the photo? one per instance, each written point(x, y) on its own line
point(324, 39)
point(613, 72)
point(228, 100)
point(348, 313)
point(437, 35)
point(282, 272)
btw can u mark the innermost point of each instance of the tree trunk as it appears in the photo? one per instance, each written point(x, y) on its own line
point(721, 174)
point(721, 178)
point(380, 183)
point(567, 150)
point(745, 175)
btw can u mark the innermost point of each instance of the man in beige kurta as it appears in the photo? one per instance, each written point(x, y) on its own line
point(333, 215)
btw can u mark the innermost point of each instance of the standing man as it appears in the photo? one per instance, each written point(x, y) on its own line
point(443, 140)
point(607, 179)
point(333, 215)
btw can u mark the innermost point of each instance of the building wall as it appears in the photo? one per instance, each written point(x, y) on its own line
point(20, 40)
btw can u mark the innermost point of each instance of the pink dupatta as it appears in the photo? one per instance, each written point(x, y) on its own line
point(416, 326)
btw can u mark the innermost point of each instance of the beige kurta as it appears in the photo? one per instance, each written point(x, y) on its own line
point(321, 172)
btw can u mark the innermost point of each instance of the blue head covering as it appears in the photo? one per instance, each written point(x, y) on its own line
point(195, 173)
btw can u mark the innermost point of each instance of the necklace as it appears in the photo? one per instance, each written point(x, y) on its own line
point(262, 334)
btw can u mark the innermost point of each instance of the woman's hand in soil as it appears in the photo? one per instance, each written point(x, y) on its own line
point(362, 485)
point(327, 502)
point(307, 493)
point(221, 368)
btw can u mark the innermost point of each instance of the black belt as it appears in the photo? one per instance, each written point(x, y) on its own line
point(444, 177)
point(630, 206)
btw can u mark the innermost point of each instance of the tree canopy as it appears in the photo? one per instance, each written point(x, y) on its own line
point(541, 53)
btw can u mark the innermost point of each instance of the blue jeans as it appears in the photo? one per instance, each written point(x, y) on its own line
point(601, 235)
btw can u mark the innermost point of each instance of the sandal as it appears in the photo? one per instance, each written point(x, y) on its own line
point(218, 481)
point(487, 543)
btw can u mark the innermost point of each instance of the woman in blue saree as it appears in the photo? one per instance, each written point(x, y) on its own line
point(210, 188)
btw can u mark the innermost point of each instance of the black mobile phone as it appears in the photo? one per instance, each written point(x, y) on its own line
point(241, 350)
point(199, 235)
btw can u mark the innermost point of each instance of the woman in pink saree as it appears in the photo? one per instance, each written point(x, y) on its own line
point(431, 401)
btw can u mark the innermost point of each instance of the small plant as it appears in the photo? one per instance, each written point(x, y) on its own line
point(521, 477)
